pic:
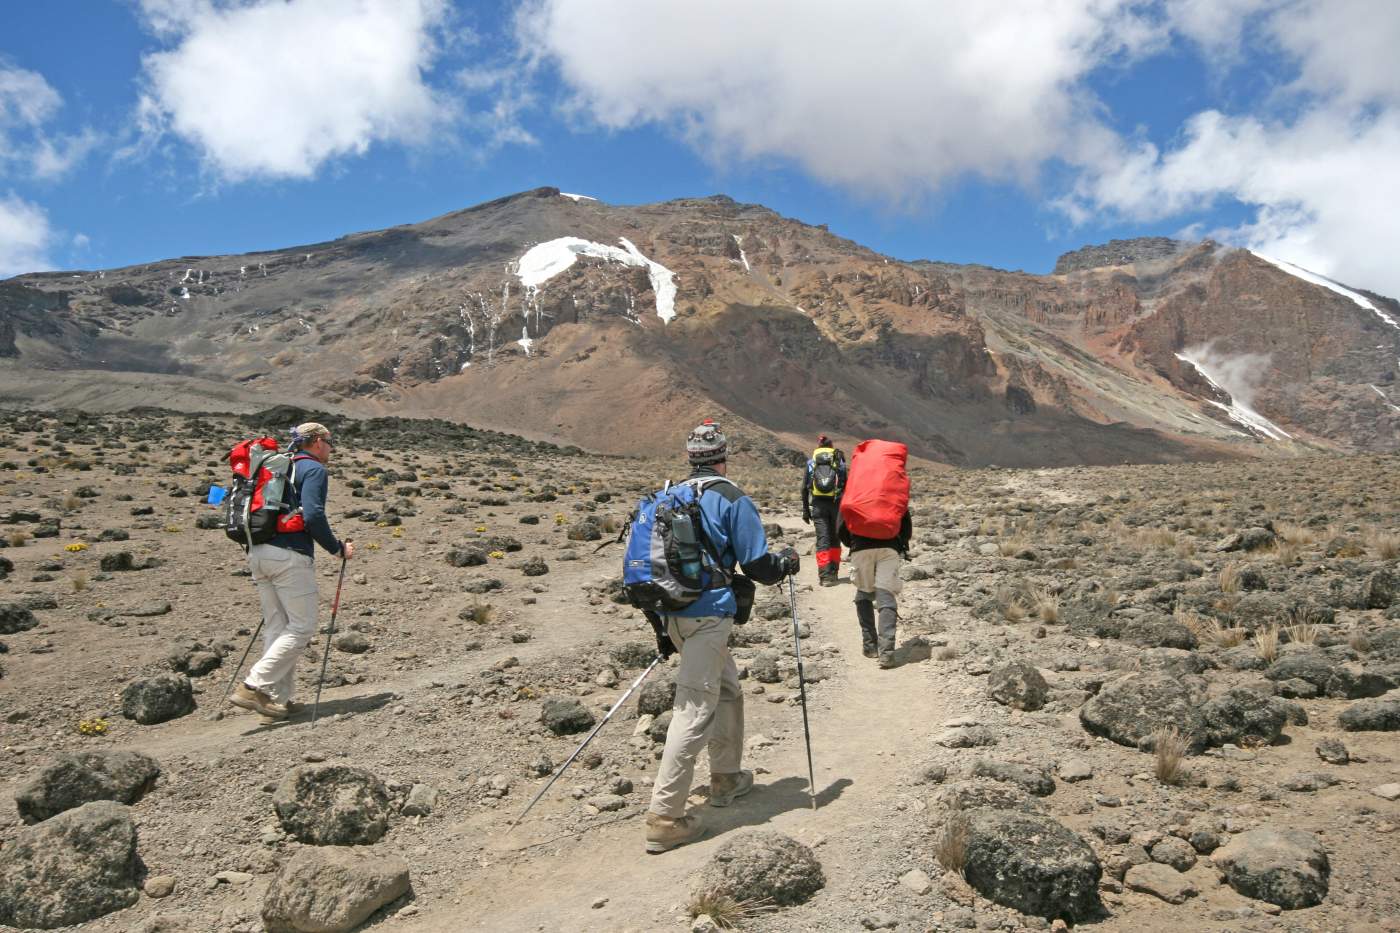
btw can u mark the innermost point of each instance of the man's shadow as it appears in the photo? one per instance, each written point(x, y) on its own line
point(328, 708)
point(767, 801)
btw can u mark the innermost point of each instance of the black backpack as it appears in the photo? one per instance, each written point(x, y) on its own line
point(826, 476)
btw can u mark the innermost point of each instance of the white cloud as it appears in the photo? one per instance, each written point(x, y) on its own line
point(25, 237)
point(892, 99)
point(28, 103)
point(1316, 177)
point(276, 88)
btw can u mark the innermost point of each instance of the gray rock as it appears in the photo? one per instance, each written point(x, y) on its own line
point(332, 805)
point(1018, 685)
point(1074, 770)
point(982, 794)
point(764, 667)
point(607, 803)
point(1307, 781)
point(1158, 631)
point(1032, 863)
point(158, 699)
point(566, 716)
point(1161, 881)
point(763, 866)
point(466, 556)
point(75, 867)
point(656, 696)
point(158, 607)
point(1178, 853)
point(1251, 539)
point(1380, 590)
point(1330, 677)
point(534, 567)
point(15, 618)
point(159, 886)
point(1036, 781)
point(351, 643)
point(970, 737)
point(73, 780)
point(1377, 715)
point(659, 727)
point(1387, 791)
point(1241, 716)
point(1286, 867)
point(421, 801)
point(331, 890)
point(1130, 708)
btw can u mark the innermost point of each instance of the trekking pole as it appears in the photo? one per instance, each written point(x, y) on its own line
point(578, 751)
point(241, 661)
point(802, 689)
point(325, 658)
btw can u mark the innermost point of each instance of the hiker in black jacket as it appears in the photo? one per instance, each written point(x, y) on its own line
point(875, 564)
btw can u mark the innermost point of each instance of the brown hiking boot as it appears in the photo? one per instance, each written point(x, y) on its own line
point(725, 787)
point(664, 832)
point(293, 710)
point(245, 697)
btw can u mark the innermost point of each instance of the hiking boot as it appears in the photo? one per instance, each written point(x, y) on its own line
point(725, 787)
point(245, 697)
point(887, 661)
point(867, 649)
point(665, 833)
point(293, 709)
point(829, 580)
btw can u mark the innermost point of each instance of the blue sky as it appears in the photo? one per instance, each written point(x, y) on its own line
point(1004, 134)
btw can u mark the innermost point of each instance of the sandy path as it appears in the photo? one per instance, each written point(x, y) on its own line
point(865, 726)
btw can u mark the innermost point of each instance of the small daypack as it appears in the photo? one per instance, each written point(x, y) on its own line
point(259, 504)
point(669, 561)
point(877, 489)
point(826, 472)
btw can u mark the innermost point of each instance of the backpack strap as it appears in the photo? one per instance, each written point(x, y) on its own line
point(731, 492)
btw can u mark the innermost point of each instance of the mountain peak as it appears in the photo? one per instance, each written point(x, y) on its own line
point(1120, 253)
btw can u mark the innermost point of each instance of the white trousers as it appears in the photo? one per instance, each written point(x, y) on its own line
point(708, 712)
point(287, 588)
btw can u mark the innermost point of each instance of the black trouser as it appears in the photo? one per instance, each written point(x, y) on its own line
point(828, 549)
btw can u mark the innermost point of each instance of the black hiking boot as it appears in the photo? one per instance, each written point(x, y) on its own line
point(865, 613)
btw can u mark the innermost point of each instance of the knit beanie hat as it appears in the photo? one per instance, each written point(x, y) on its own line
point(706, 444)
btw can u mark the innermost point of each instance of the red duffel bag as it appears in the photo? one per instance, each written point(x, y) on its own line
point(877, 489)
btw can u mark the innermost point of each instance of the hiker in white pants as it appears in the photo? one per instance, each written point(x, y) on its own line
point(284, 571)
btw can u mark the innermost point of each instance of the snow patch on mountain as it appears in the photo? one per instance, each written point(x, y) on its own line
point(546, 260)
point(1238, 410)
point(576, 197)
point(1327, 283)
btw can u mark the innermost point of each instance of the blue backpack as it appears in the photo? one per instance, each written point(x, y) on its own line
point(669, 562)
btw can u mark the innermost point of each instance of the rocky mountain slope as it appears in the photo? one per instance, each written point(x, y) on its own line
point(560, 317)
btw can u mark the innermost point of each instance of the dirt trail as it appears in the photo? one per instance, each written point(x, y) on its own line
point(865, 726)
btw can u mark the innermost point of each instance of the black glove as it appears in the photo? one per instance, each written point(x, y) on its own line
point(807, 516)
point(664, 646)
point(791, 563)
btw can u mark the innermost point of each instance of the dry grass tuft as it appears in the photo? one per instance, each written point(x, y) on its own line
point(947, 653)
point(71, 503)
point(1230, 578)
point(1286, 552)
point(1301, 633)
point(79, 581)
point(1266, 643)
point(1014, 607)
point(1170, 748)
point(1357, 640)
point(16, 538)
point(725, 911)
point(1044, 606)
point(951, 846)
point(1298, 535)
point(1384, 544)
point(1208, 629)
point(481, 612)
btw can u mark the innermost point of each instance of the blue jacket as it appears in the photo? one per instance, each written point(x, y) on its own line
point(309, 488)
point(735, 533)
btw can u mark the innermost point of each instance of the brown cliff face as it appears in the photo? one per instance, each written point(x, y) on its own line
point(780, 327)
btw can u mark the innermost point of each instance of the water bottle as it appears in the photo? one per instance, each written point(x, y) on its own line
point(684, 534)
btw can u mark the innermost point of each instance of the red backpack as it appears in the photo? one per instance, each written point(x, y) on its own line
point(259, 503)
point(877, 489)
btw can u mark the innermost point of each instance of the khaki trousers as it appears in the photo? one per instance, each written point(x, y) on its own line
point(287, 588)
point(709, 710)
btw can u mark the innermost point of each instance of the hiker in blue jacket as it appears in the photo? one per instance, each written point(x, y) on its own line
point(285, 574)
point(709, 705)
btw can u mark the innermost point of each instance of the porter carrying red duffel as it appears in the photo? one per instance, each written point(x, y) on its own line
point(877, 489)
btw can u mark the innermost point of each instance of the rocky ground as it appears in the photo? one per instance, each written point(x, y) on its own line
point(1157, 698)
